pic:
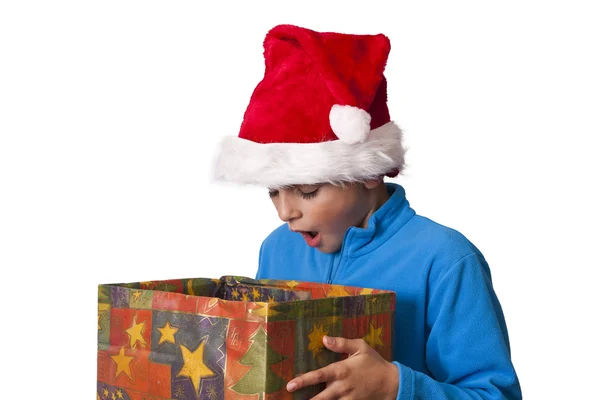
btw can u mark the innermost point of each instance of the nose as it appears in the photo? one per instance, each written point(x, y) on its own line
point(286, 208)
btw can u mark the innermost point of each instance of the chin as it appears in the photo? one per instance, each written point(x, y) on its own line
point(329, 249)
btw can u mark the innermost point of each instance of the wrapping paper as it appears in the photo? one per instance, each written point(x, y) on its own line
point(228, 338)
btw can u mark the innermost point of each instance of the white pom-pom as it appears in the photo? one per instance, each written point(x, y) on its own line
point(350, 124)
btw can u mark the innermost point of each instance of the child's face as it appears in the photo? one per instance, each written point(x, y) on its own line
point(323, 213)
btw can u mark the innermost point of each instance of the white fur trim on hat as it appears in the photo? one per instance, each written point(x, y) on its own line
point(277, 165)
point(350, 124)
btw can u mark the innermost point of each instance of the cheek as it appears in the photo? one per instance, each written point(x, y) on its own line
point(337, 217)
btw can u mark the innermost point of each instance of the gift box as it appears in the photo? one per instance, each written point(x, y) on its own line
point(229, 338)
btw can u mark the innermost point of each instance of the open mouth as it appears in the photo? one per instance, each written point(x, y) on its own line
point(312, 238)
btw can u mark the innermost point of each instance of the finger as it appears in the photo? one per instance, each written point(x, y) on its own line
point(322, 375)
point(343, 345)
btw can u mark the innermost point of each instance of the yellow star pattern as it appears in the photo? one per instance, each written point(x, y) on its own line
point(235, 294)
point(119, 394)
point(374, 336)
point(271, 300)
point(244, 296)
point(315, 339)
point(136, 295)
point(264, 311)
point(255, 293)
point(293, 284)
point(193, 365)
point(167, 333)
point(146, 283)
point(135, 333)
point(105, 392)
point(122, 362)
point(337, 291)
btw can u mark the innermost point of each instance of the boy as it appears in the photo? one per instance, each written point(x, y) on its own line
point(317, 133)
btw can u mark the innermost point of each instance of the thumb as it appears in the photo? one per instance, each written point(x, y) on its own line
point(343, 345)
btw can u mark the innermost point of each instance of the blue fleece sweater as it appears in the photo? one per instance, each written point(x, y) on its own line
point(451, 338)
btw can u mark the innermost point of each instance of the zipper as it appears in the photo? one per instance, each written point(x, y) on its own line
point(328, 280)
point(337, 259)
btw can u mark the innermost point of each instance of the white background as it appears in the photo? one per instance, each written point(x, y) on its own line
point(110, 112)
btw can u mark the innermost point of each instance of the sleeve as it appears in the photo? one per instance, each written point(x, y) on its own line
point(467, 350)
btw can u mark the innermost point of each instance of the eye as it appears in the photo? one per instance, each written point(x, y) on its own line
point(309, 192)
point(307, 196)
point(273, 193)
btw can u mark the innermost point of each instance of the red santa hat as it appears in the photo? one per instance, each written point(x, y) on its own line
point(319, 115)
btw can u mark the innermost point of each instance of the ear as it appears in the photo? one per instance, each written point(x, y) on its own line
point(373, 183)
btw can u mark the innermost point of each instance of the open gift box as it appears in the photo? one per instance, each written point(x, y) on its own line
point(229, 338)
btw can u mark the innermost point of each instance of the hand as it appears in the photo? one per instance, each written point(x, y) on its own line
point(363, 375)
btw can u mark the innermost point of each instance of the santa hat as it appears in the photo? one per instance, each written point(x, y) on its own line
point(319, 114)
